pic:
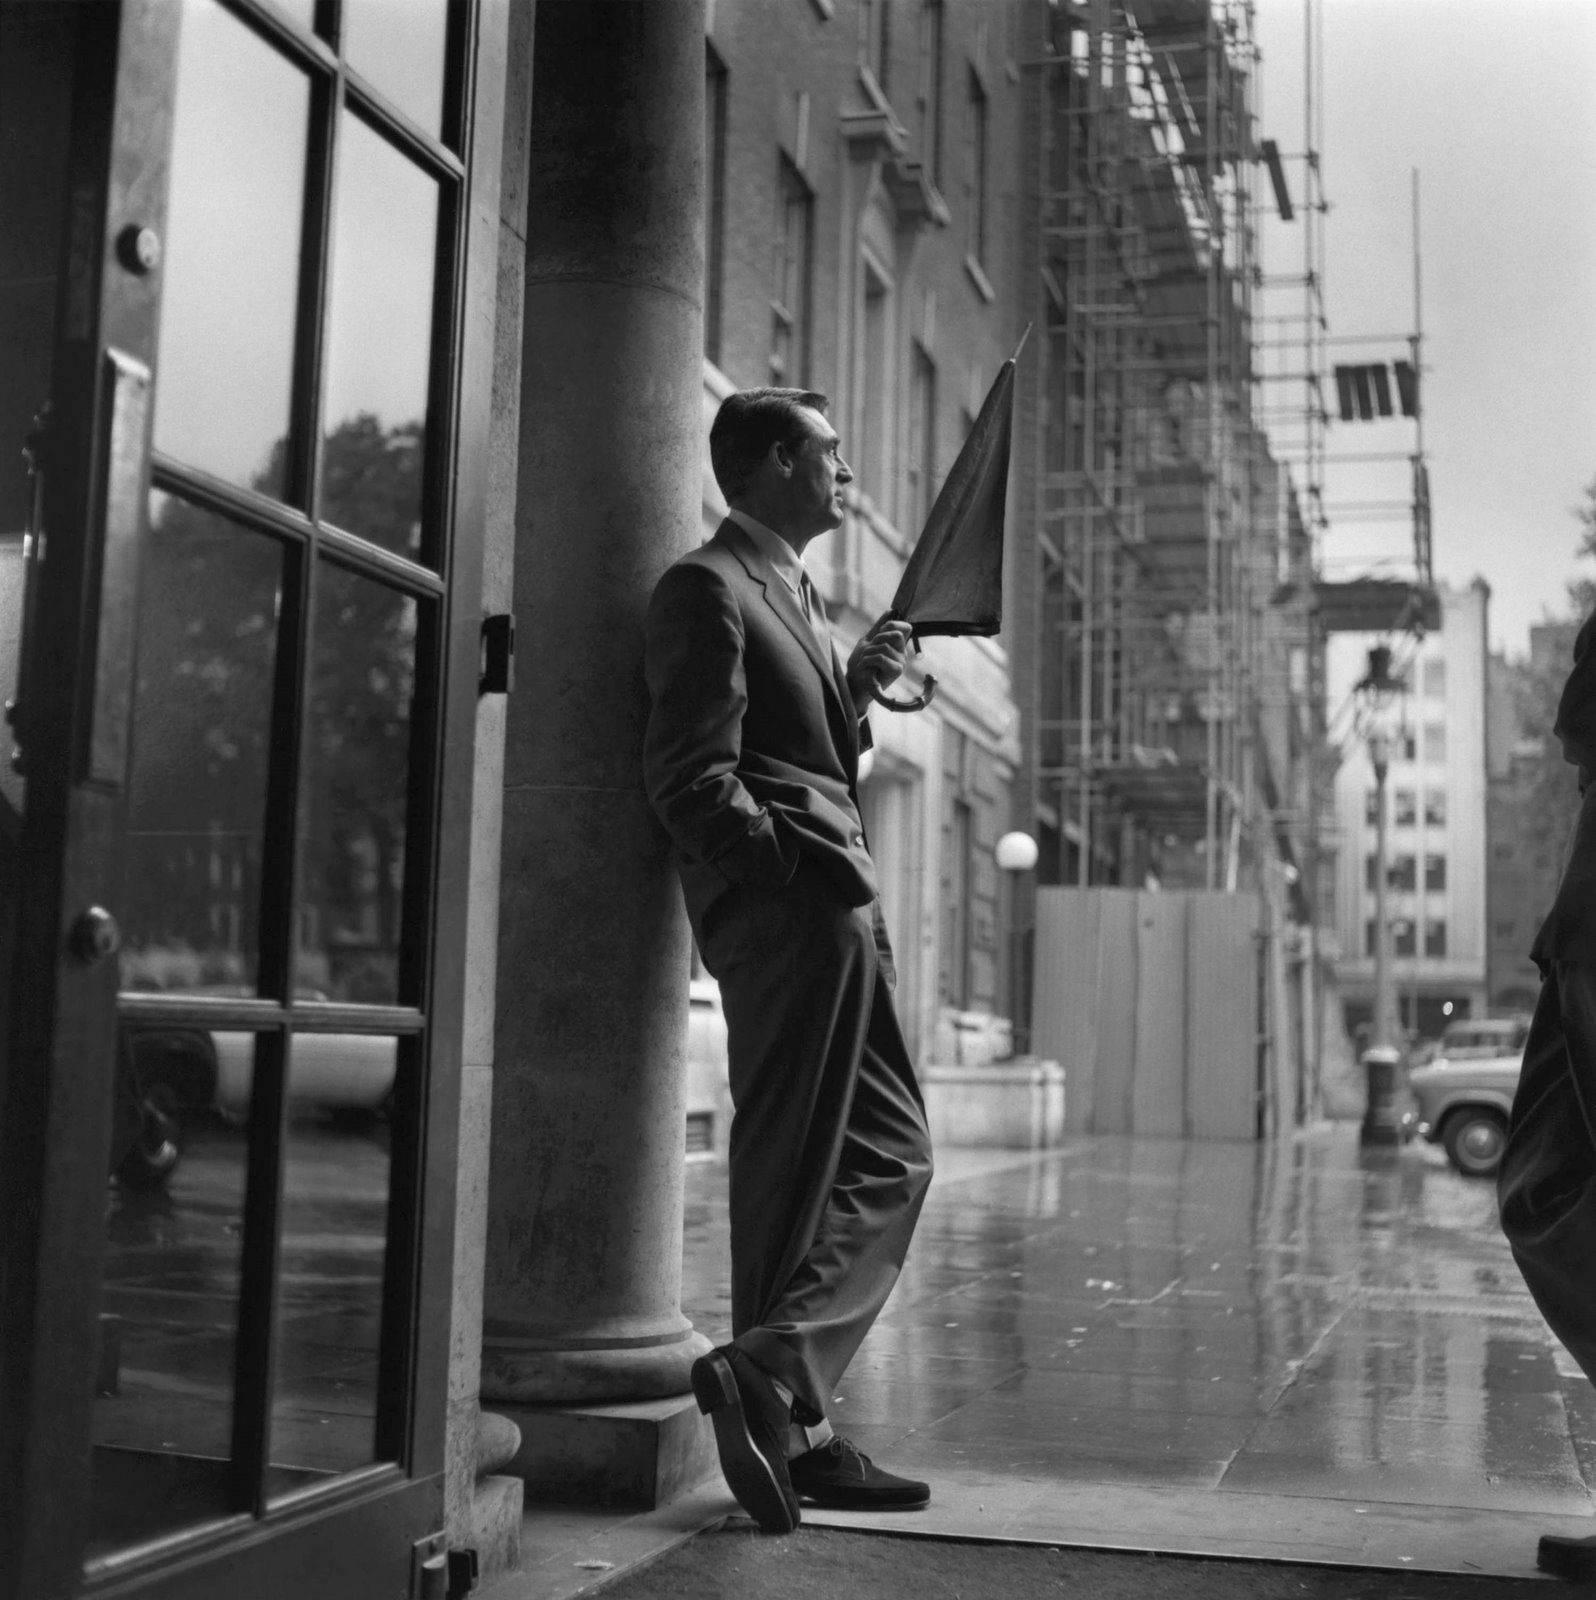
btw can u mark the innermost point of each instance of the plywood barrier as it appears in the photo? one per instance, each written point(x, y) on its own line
point(1153, 1002)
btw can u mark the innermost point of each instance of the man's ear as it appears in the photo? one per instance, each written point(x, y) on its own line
point(783, 457)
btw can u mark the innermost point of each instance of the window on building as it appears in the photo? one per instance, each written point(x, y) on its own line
point(1404, 808)
point(1435, 741)
point(874, 431)
point(1404, 873)
point(715, 197)
point(1434, 680)
point(1371, 870)
point(922, 441)
point(1406, 745)
point(1434, 872)
point(791, 291)
point(1404, 937)
point(975, 163)
point(1435, 936)
point(1369, 937)
point(875, 40)
point(1435, 808)
point(956, 906)
point(1371, 808)
point(928, 100)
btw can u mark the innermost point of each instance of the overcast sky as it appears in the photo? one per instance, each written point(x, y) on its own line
point(1494, 102)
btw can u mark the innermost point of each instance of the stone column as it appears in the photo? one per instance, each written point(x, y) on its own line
point(583, 1278)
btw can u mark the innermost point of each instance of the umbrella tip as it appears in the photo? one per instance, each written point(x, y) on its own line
point(1021, 345)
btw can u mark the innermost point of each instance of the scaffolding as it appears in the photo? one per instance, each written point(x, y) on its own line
point(1162, 528)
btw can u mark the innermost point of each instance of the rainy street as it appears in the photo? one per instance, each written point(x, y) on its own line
point(1288, 1351)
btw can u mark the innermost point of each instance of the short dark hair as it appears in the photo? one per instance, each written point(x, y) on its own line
point(748, 423)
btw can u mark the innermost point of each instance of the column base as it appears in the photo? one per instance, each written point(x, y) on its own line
point(639, 1454)
point(527, 1372)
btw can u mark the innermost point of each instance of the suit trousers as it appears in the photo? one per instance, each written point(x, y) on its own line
point(830, 1155)
point(1546, 1184)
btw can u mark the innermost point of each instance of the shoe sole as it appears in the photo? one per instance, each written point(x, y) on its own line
point(1575, 1561)
point(847, 1502)
point(748, 1474)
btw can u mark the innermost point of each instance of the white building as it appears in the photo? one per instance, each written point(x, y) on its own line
point(1435, 798)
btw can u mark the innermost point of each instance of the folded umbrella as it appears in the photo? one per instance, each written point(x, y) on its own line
point(953, 584)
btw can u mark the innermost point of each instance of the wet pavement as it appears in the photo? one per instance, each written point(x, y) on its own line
point(1295, 1351)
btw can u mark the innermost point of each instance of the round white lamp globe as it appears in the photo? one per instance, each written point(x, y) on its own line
point(1016, 852)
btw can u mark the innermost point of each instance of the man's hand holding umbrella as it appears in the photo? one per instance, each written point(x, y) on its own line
point(878, 660)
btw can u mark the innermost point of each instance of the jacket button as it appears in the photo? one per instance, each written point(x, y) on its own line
point(858, 839)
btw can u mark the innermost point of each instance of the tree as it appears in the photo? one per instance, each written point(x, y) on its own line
point(1546, 789)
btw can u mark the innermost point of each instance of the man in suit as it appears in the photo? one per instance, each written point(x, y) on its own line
point(752, 763)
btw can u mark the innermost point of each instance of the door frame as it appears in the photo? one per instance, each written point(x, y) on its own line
point(357, 1535)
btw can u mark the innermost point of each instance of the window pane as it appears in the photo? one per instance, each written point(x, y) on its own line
point(231, 260)
point(398, 45)
point(353, 822)
point(333, 1255)
point(379, 341)
point(207, 657)
point(163, 1407)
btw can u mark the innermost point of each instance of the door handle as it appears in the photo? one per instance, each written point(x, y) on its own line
point(94, 935)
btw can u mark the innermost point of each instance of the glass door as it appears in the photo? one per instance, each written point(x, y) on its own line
point(241, 749)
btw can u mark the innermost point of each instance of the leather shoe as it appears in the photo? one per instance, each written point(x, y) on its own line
point(840, 1475)
point(1566, 1557)
point(751, 1422)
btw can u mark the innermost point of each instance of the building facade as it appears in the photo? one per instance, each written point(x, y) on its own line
point(862, 170)
point(1436, 820)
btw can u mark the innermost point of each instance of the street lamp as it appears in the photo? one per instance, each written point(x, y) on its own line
point(1015, 854)
point(1379, 692)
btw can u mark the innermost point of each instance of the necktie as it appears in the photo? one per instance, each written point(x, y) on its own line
point(814, 610)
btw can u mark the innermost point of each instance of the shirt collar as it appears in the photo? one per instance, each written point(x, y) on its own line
point(772, 547)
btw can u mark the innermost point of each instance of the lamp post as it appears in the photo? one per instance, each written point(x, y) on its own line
point(1015, 854)
point(1379, 691)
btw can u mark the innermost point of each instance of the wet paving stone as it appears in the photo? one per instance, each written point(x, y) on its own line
point(1298, 1321)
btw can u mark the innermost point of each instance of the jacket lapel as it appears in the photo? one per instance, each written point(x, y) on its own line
point(781, 600)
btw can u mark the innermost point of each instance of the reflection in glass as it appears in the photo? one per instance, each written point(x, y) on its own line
point(13, 574)
point(333, 1248)
point(397, 46)
point(353, 821)
point(379, 341)
point(207, 655)
point(163, 1408)
point(231, 260)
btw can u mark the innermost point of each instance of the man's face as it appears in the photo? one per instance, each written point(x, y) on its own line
point(818, 475)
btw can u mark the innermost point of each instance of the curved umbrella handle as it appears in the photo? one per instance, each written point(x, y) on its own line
point(919, 703)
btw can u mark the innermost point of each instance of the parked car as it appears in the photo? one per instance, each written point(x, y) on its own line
point(1463, 1095)
point(708, 1085)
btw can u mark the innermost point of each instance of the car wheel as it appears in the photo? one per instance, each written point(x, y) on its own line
point(1474, 1140)
point(154, 1154)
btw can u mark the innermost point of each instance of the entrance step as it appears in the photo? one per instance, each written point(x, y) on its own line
point(639, 1453)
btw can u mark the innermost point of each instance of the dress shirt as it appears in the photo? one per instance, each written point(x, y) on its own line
point(790, 569)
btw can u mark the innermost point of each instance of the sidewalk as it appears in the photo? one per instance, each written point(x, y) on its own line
point(1288, 1353)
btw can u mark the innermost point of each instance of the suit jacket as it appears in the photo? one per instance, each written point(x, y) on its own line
point(752, 750)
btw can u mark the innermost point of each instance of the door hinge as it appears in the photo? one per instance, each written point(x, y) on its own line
point(429, 1568)
point(498, 654)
